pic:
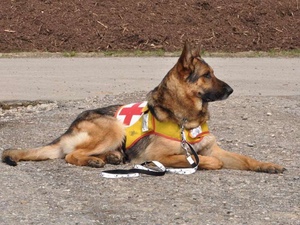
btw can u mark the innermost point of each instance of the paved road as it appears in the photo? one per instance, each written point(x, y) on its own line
point(78, 78)
point(54, 192)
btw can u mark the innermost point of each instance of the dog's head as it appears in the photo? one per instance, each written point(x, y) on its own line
point(184, 93)
point(199, 77)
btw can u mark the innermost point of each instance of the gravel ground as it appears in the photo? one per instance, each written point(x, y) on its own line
point(53, 192)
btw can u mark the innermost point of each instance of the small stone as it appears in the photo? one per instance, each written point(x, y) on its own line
point(269, 114)
point(247, 181)
point(244, 117)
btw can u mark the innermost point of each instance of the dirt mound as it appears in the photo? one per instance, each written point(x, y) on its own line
point(97, 25)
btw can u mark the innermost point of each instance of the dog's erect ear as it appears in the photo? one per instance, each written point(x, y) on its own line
point(187, 56)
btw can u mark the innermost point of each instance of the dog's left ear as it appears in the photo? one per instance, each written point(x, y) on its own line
point(186, 58)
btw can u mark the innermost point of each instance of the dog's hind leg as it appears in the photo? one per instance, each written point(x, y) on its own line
point(103, 136)
point(57, 149)
point(12, 156)
point(86, 143)
point(97, 151)
point(82, 157)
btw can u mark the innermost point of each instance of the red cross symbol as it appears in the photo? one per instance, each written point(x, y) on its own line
point(129, 112)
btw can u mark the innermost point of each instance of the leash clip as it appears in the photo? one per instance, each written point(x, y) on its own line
point(186, 146)
point(184, 143)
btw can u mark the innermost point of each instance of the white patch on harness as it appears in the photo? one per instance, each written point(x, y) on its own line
point(195, 132)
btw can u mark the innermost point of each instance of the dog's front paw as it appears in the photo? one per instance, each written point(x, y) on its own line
point(270, 168)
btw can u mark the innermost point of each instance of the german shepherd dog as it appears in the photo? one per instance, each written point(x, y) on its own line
point(96, 137)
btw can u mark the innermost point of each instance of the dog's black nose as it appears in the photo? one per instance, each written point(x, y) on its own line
point(229, 90)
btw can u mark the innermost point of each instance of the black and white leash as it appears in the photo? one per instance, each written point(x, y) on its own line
point(159, 169)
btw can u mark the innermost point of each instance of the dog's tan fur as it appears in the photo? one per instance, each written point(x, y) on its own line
point(95, 137)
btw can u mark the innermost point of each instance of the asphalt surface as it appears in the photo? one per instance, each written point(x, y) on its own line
point(261, 119)
point(78, 78)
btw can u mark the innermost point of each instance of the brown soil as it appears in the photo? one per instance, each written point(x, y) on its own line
point(97, 25)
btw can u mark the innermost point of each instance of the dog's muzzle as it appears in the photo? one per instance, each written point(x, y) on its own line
point(224, 93)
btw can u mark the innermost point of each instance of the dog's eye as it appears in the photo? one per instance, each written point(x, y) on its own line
point(207, 75)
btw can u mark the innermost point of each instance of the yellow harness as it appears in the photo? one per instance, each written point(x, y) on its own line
point(147, 124)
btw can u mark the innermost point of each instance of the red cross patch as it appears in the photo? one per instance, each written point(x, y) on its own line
point(129, 114)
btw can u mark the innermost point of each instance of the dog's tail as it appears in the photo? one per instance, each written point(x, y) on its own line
point(12, 156)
